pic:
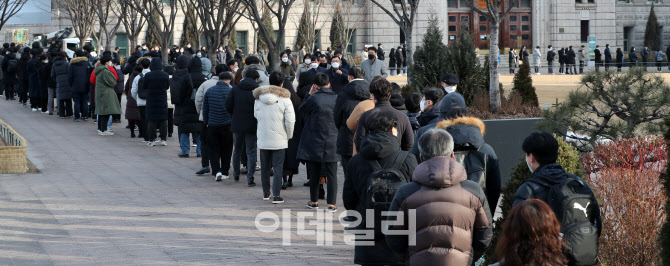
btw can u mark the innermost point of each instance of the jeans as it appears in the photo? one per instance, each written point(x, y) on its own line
point(80, 104)
point(185, 143)
point(272, 159)
point(220, 142)
point(392, 71)
point(574, 67)
point(581, 67)
point(50, 100)
point(109, 121)
point(151, 129)
point(551, 67)
point(65, 108)
point(316, 170)
point(249, 140)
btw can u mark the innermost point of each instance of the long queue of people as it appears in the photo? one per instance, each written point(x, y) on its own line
point(423, 153)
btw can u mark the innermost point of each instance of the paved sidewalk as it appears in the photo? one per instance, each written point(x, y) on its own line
point(113, 200)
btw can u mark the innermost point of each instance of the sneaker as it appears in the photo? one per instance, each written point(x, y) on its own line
point(203, 171)
point(266, 196)
point(332, 208)
point(258, 168)
point(45, 112)
point(106, 133)
point(77, 120)
point(185, 155)
point(237, 178)
point(151, 143)
point(251, 184)
point(195, 145)
point(34, 109)
point(163, 143)
point(277, 200)
point(243, 170)
point(312, 205)
point(219, 177)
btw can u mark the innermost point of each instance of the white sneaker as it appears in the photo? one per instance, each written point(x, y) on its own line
point(537, 74)
point(163, 143)
point(195, 145)
point(106, 133)
point(219, 177)
point(258, 168)
point(224, 177)
point(34, 109)
point(45, 112)
point(151, 143)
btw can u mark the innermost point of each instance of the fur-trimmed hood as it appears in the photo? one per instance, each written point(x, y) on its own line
point(271, 94)
point(78, 59)
point(139, 60)
point(467, 131)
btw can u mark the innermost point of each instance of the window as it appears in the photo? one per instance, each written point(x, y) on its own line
point(584, 1)
point(482, 28)
point(524, 3)
point(525, 37)
point(452, 3)
point(512, 37)
point(242, 40)
point(352, 43)
point(512, 28)
point(465, 3)
point(465, 18)
point(317, 40)
point(482, 19)
point(585, 30)
point(624, 1)
point(122, 43)
point(452, 28)
point(452, 37)
point(627, 33)
point(402, 36)
point(525, 27)
point(525, 18)
point(452, 18)
point(483, 37)
point(512, 18)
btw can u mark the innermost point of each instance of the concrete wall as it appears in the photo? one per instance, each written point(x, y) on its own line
point(635, 14)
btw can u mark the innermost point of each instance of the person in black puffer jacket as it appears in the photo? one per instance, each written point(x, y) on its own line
point(356, 91)
point(240, 104)
point(78, 78)
point(157, 83)
point(185, 115)
point(63, 88)
point(22, 75)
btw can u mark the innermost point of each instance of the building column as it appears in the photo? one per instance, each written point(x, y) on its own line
point(540, 18)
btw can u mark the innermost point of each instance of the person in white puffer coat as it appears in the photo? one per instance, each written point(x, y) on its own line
point(276, 118)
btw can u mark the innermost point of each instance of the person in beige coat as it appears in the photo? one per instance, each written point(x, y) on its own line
point(276, 118)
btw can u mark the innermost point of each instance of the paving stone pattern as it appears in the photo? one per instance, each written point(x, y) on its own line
point(113, 200)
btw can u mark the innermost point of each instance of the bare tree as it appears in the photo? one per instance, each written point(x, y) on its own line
point(82, 15)
point(103, 9)
point(132, 21)
point(354, 19)
point(9, 8)
point(315, 21)
point(404, 13)
point(218, 18)
point(281, 13)
point(494, 16)
point(160, 16)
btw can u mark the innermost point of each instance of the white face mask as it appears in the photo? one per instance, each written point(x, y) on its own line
point(144, 47)
point(188, 46)
point(307, 61)
point(284, 59)
point(315, 65)
point(335, 65)
point(181, 51)
point(422, 105)
point(235, 69)
point(46, 61)
point(450, 89)
point(199, 54)
point(527, 164)
point(109, 63)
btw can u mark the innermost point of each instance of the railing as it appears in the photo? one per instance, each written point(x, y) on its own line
point(13, 155)
point(9, 136)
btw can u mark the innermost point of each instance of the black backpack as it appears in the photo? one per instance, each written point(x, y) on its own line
point(474, 163)
point(141, 88)
point(12, 65)
point(382, 186)
point(574, 205)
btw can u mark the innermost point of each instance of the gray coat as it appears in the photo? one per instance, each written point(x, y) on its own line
point(59, 73)
point(372, 69)
point(265, 78)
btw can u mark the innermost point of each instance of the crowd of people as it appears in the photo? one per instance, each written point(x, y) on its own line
point(423, 152)
point(569, 59)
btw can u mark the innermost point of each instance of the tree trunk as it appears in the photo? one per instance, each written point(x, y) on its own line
point(165, 42)
point(274, 58)
point(494, 91)
point(82, 40)
point(408, 52)
point(133, 43)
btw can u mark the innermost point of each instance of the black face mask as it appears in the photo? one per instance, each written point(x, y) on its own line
point(324, 65)
point(371, 57)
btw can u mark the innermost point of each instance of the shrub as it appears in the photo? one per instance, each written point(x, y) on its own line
point(652, 33)
point(624, 174)
point(664, 237)
point(463, 62)
point(568, 158)
point(512, 106)
point(407, 89)
point(523, 84)
point(429, 58)
point(611, 106)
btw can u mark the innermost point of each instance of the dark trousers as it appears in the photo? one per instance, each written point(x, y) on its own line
point(220, 142)
point(118, 116)
point(607, 65)
point(170, 121)
point(151, 129)
point(35, 101)
point(131, 126)
point(44, 101)
point(80, 104)
point(272, 160)
point(659, 65)
point(345, 168)
point(316, 170)
point(581, 67)
point(204, 147)
point(143, 123)
point(551, 67)
point(9, 89)
point(102, 122)
point(65, 108)
point(598, 66)
point(561, 68)
point(245, 143)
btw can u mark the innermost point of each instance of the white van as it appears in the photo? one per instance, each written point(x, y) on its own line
point(70, 45)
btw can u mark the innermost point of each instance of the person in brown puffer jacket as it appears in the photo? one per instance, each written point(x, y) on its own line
point(452, 216)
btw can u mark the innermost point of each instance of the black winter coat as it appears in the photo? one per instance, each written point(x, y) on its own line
point(619, 58)
point(181, 88)
point(44, 75)
point(318, 141)
point(383, 148)
point(468, 132)
point(9, 78)
point(338, 81)
point(599, 56)
point(571, 57)
point(59, 73)
point(240, 104)
point(305, 81)
point(157, 83)
point(632, 56)
point(291, 162)
point(608, 56)
point(131, 62)
point(561, 56)
point(33, 77)
point(405, 132)
point(78, 74)
point(354, 93)
point(195, 71)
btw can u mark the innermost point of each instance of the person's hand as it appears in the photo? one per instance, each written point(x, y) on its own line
point(339, 72)
point(313, 90)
